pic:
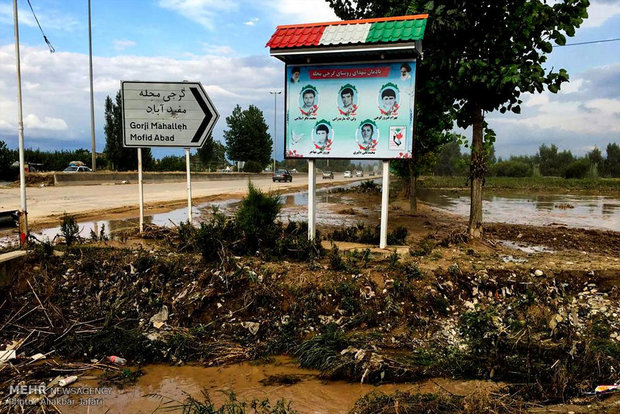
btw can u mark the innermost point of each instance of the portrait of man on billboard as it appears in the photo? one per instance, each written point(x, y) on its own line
point(347, 100)
point(367, 135)
point(389, 99)
point(308, 100)
point(323, 136)
point(295, 74)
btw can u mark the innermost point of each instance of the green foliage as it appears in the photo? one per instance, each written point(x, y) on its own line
point(369, 185)
point(212, 236)
point(321, 351)
point(212, 154)
point(512, 168)
point(551, 162)
point(257, 215)
point(69, 229)
point(246, 137)
point(253, 167)
point(577, 169)
point(369, 235)
point(231, 406)
point(120, 158)
point(335, 259)
point(6, 159)
point(170, 163)
point(450, 161)
point(612, 162)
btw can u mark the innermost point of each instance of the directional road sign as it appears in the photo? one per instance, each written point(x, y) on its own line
point(166, 114)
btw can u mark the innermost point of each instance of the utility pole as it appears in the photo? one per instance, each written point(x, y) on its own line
point(23, 213)
point(275, 128)
point(92, 101)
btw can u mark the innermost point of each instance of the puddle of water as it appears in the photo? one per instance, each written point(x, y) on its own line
point(309, 395)
point(526, 248)
point(294, 209)
point(585, 211)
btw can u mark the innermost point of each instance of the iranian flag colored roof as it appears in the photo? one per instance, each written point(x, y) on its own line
point(350, 32)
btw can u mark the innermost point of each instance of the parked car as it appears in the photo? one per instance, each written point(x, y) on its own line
point(282, 175)
point(359, 173)
point(328, 174)
point(293, 171)
point(77, 169)
point(347, 174)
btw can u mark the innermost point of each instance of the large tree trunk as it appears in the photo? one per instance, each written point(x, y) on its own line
point(413, 201)
point(477, 171)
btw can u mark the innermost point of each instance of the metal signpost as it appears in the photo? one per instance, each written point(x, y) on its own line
point(166, 114)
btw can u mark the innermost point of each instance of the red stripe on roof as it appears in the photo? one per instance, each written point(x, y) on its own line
point(296, 36)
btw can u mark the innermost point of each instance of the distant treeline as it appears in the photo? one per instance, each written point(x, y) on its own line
point(548, 162)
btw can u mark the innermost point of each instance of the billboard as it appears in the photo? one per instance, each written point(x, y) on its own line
point(360, 111)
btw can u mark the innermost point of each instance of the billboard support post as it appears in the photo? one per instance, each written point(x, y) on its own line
point(189, 187)
point(385, 200)
point(140, 190)
point(311, 199)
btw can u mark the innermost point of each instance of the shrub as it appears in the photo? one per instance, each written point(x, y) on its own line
point(321, 351)
point(252, 167)
point(69, 229)
point(257, 215)
point(577, 169)
point(511, 168)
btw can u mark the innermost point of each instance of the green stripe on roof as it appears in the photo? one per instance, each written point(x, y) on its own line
point(396, 31)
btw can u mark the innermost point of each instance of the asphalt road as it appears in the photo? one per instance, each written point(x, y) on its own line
point(46, 203)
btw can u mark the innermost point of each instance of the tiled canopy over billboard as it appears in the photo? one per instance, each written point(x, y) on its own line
point(351, 32)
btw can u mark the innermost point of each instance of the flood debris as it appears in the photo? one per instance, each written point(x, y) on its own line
point(215, 294)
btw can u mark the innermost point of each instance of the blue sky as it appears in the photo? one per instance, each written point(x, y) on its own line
point(222, 45)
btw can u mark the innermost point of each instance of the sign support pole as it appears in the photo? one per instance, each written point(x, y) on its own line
point(311, 200)
point(140, 190)
point(385, 200)
point(23, 214)
point(189, 187)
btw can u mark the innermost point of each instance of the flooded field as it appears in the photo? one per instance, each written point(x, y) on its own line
point(575, 211)
point(580, 211)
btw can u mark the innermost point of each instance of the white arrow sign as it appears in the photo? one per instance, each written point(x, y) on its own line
point(166, 114)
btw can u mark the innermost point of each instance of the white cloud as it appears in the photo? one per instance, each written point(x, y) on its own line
point(601, 11)
point(58, 108)
point(49, 19)
point(300, 11)
point(217, 49)
point(203, 12)
point(123, 44)
point(251, 22)
point(47, 123)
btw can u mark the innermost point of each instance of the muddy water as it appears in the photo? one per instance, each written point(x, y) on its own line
point(583, 211)
point(309, 395)
point(294, 209)
point(596, 212)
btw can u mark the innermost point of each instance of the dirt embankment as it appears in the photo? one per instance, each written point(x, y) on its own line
point(544, 324)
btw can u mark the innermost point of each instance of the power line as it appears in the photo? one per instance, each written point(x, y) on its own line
point(52, 50)
point(591, 42)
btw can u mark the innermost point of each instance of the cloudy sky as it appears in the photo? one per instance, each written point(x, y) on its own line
point(222, 44)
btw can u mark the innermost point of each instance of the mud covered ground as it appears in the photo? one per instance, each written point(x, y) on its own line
point(533, 309)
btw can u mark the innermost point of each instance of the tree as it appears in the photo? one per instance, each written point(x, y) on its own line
point(612, 162)
point(481, 55)
point(6, 159)
point(212, 153)
point(247, 138)
point(450, 160)
point(121, 158)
